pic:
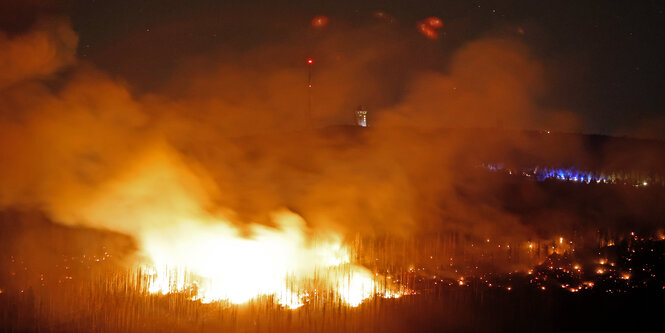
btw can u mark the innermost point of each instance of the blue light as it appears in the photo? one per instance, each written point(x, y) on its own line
point(561, 174)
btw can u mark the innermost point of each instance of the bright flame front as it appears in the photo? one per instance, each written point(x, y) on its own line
point(194, 249)
point(216, 263)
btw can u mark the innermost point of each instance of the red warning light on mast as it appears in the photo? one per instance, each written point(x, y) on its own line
point(310, 61)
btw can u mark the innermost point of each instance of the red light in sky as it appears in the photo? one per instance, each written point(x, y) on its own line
point(319, 21)
point(429, 27)
point(310, 61)
point(427, 31)
point(434, 22)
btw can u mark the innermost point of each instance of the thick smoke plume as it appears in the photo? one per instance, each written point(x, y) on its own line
point(227, 135)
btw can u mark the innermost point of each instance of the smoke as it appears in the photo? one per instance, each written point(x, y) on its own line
point(48, 47)
point(489, 83)
point(227, 135)
point(59, 145)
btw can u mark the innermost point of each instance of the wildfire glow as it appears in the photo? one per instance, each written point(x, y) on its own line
point(219, 264)
point(193, 249)
point(226, 266)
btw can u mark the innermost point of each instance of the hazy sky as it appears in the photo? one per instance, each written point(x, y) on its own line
point(602, 60)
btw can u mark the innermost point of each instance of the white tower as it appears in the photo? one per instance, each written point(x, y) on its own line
point(360, 116)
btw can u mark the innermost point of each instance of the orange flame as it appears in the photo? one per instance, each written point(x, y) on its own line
point(189, 248)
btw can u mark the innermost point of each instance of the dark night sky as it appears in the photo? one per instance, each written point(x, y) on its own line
point(604, 59)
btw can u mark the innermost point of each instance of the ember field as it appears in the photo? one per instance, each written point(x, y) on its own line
point(454, 285)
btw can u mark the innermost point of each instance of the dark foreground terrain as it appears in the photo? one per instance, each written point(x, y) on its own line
point(53, 289)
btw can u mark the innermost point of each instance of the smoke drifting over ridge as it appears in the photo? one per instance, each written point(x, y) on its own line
point(489, 83)
point(227, 135)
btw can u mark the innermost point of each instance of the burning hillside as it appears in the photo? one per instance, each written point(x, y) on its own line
point(200, 173)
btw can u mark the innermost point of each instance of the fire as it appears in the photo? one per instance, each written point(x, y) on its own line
point(219, 264)
point(190, 248)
